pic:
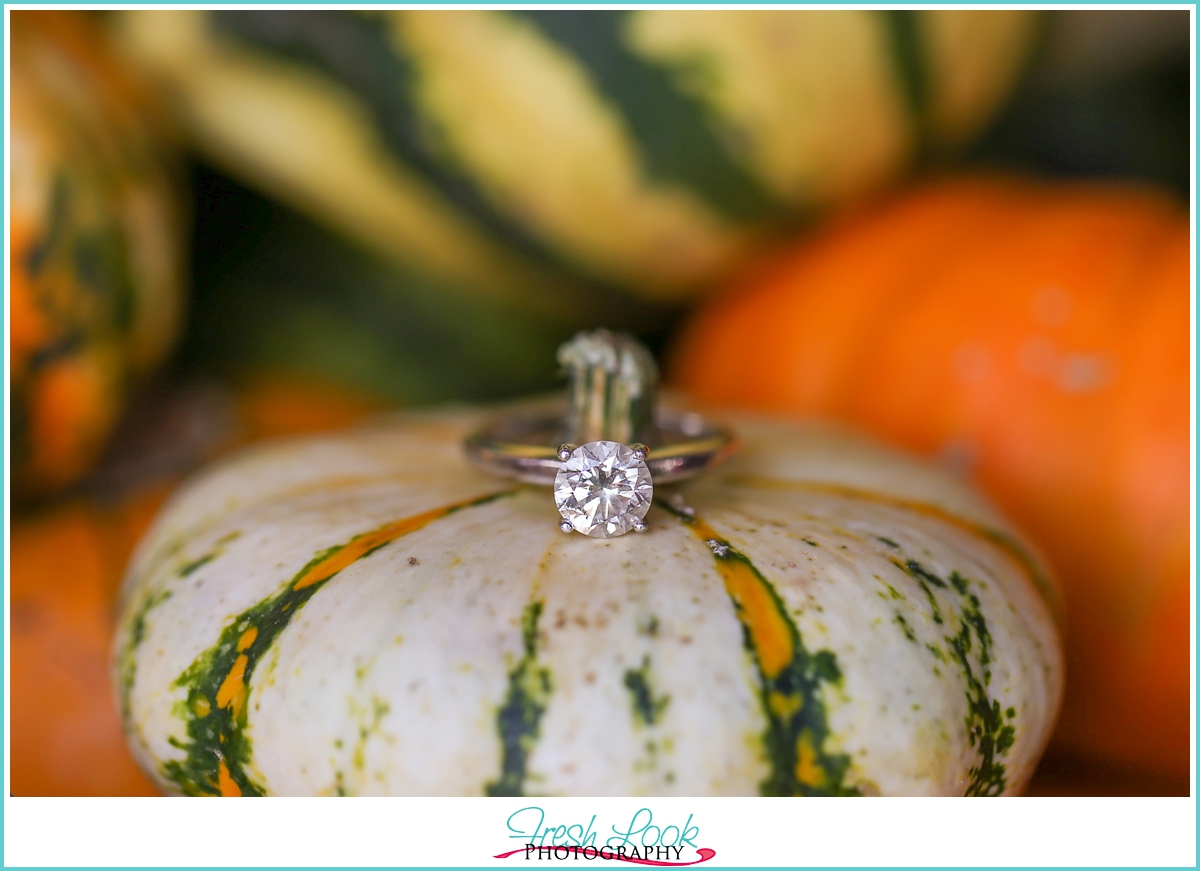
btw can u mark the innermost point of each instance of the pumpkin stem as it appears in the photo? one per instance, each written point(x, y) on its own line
point(613, 380)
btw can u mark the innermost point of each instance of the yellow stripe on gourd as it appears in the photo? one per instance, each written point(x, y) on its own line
point(785, 705)
point(973, 58)
point(770, 633)
point(812, 94)
point(808, 770)
point(312, 144)
point(549, 152)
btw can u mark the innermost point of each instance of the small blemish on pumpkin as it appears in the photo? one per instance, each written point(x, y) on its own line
point(719, 549)
point(413, 561)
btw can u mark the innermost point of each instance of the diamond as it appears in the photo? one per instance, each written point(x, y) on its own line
point(603, 489)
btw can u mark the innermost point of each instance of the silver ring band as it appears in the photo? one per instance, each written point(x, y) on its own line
point(525, 446)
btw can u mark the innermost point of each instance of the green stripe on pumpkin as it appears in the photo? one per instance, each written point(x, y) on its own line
point(217, 751)
point(675, 135)
point(987, 730)
point(519, 717)
point(647, 708)
point(358, 53)
point(790, 677)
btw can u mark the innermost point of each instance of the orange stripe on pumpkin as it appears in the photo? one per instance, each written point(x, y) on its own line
point(368, 541)
point(769, 631)
point(225, 783)
point(233, 684)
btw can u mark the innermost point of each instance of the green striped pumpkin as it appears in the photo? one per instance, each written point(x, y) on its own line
point(521, 153)
point(366, 614)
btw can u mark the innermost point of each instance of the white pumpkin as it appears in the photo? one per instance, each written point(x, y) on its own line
point(366, 613)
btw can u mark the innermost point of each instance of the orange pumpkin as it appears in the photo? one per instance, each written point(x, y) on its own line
point(1036, 336)
point(66, 732)
point(95, 242)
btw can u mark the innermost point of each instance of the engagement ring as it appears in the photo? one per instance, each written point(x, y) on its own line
point(608, 449)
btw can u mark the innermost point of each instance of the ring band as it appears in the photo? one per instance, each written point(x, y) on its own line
point(525, 446)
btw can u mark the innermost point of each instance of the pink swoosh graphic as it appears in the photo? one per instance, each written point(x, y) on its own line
point(705, 855)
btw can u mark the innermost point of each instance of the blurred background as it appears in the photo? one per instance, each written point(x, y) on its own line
point(964, 231)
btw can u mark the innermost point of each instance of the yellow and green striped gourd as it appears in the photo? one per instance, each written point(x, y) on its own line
point(524, 153)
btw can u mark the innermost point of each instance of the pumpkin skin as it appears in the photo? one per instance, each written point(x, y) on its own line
point(365, 613)
point(1036, 334)
point(96, 247)
point(516, 151)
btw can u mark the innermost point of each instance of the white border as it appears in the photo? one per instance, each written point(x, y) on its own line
point(469, 831)
point(466, 831)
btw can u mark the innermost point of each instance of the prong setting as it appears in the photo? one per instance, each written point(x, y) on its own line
point(640, 451)
point(566, 527)
point(639, 526)
point(603, 490)
point(564, 452)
